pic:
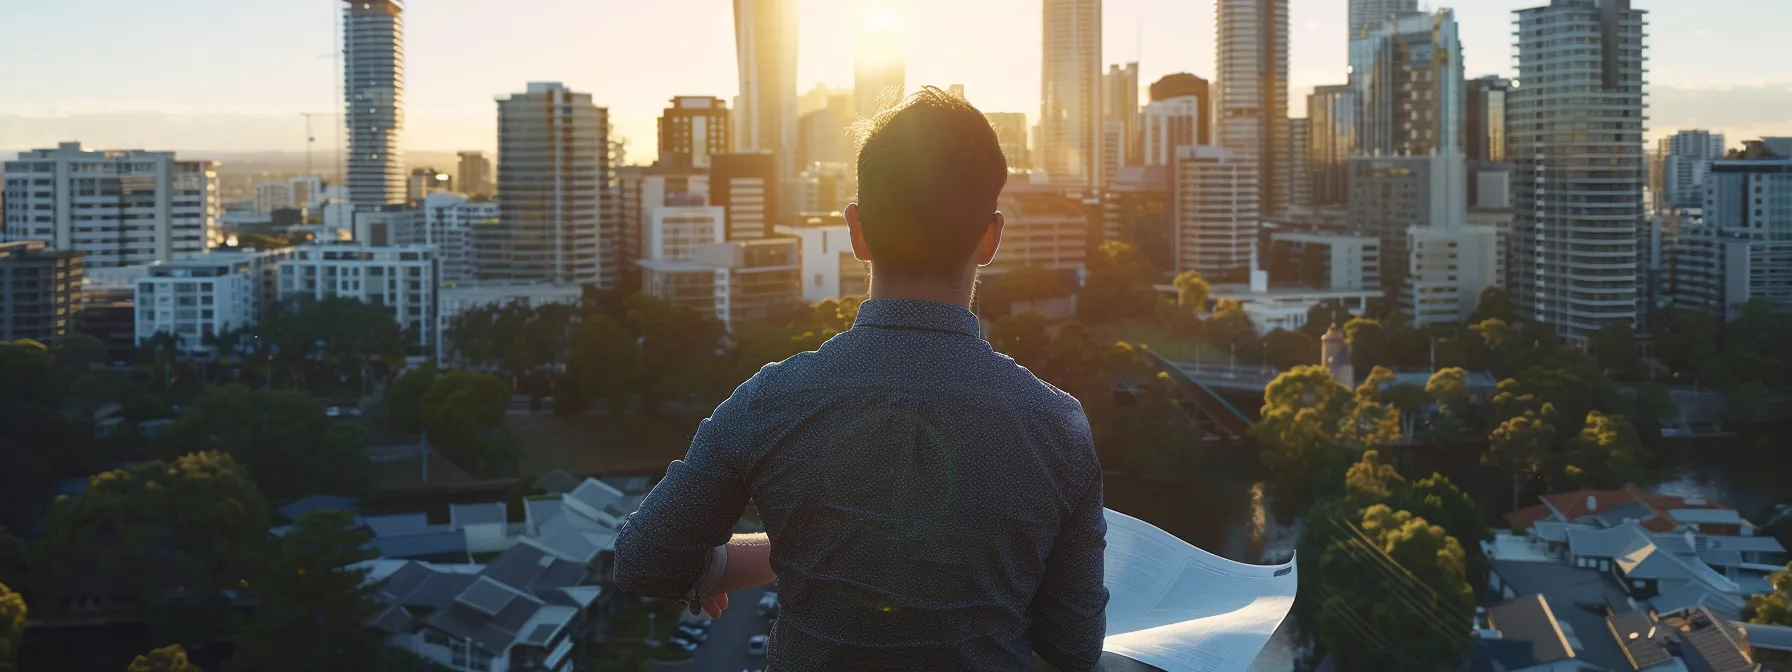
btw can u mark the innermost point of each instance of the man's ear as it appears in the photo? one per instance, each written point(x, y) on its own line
point(860, 250)
point(992, 239)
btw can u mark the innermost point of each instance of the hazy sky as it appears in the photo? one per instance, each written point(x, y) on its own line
point(235, 74)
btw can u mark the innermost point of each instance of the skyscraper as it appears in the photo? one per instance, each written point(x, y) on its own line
point(1331, 137)
point(1365, 15)
point(1120, 102)
point(373, 93)
point(765, 39)
point(1578, 196)
point(693, 129)
point(1252, 103)
point(553, 178)
point(1166, 125)
point(1686, 159)
point(1070, 92)
point(1216, 212)
point(1300, 184)
point(747, 186)
point(1484, 121)
point(120, 208)
point(1408, 75)
point(1180, 84)
point(475, 174)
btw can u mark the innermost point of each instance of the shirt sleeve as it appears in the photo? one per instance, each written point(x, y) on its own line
point(667, 547)
point(1070, 609)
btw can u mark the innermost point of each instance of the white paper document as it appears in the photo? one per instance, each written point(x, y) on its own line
point(1177, 607)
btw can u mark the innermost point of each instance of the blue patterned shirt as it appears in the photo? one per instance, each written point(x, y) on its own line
point(930, 503)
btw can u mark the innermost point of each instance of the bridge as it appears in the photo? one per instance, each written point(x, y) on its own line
point(1231, 377)
point(1200, 385)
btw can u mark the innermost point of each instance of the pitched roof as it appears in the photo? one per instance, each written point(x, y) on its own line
point(309, 503)
point(1694, 595)
point(1718, 641)
point(397, 523)
point(1574, 507)
point(477, 514)
point(1770, 637)
point(420, 545)
point(597, 500)
point(1641, 639)
point(1529, 619)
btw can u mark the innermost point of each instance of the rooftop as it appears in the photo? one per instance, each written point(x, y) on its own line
point(1529, 619)
point(1597, 506)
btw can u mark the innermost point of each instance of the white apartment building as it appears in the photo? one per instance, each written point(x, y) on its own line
point(673, 232)
point(1448, 268)
point(399, 278)
point(554, 177)
point(118, 207)
point(373, 95)
point(1251, 96)
point(1576, 224)
point(448, 222)
point(1169, 124)
point(1686, 159)
point(1216, 211)
point(830, 271)
point(459, 297)
point(1325, 261)
point(740, 281)
point(200, 296)
point(1742, 249)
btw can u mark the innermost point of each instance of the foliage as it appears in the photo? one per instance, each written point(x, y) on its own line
point(1614, 347)
point(1521, 446)
point(313, 603)
point(282, 437)
point(1161, 442)
point(1118, 285)
point(1498, 339)
point(182, 531)
point(1323, 315)
point(607, 362)
point(15, 559)
point(404, 398)
point(1285, 350)
point(1301, 432)
point(1652, 406)
point(1229, 328)
point(1606, 454)
point(1395, 573)
point(1019, 285)
point(1494, 304)
point(1191, 291)
point(171, 658)
point(513, 337)
point(1449, 388)
point(1370, 480)
point(1447, 430)
point(1368, 343)
point(325, 336)
point(463, 412)
point(1772, 608)
point(12, 626)
point(1022, 337)
point(680, 350)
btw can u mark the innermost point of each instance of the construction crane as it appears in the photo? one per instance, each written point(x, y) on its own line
point(310, 138)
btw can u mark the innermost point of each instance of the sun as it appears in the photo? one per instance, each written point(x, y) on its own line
point(882, 19)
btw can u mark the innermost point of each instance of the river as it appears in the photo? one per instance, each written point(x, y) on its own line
point(1226, 512)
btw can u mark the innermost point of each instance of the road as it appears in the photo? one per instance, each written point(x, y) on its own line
point(726, 650)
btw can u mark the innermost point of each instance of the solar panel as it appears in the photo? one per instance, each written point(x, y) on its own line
point(486, 596)
point(541, 634)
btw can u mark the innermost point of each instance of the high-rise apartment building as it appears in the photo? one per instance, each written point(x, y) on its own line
point(1743, 249)
point(373, 92)
point(1484, 120)
point(765, 43)
point(426, 181)
point(553, 179)
point(200, 296)
point(1367, 15)
point(1300, 186)
point(40, 290)
point(1011, 131)
point(1252, 103)
point(1216, 210)
point(452, 224)
point(746, 185)
point(475, 174)
point(399, 278)
point(119, 208)
point(1045, 230)
point(1331, 138)
point(1070, 93)
point(1409, 81)
point(1180, 85)
point(692, 129)
point(1686, 158)
point(1166, 125)
point(1391, 194)
point(1120, 102)
point(1578, 195)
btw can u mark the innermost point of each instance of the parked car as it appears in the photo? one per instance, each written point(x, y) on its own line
point(768, 604)
point(682, 642)
point(756, 646)
point(701, 635)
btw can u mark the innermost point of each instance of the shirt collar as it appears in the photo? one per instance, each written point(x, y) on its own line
point(921, 315)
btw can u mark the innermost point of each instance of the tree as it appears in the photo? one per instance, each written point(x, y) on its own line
point(171, 658)
point(1446, 430)
point(1024, 284)
point(1288, 349)
point(1497, 338)
point(1368, 343)
point(1652, 407)
point(1370, 481)
point(313, 601)
point(1302, 432)
point(15, 559)
point(463, 412)
point(1229, 328)
point(607, 362)
point(283, 437)
point(1396, 575)
point(1614, 347)
point(680, 350)
point(404, 398)
point(12, 627)
point(1766, 609)
point(1494, 304)
point(1191, 291)
point(1117, 285)
point(1323, 315)
point(1022, 337)
point(184, 530)
point(1160, 440)
point(1605, 455)
point(1520, 446)
point(1449, 387)
point(1409, 399)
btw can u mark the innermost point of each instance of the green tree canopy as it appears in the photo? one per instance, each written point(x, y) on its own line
point(607, 361)
point(1022, 337)
point(1161, 442)
point(1302, 432)
point(1494, 304)
point(283, 437)
point(313, 603)
point(1767, 609)
point(1285, 350)
point(1614, 347)
point(1118, 285)
point(1191, 291)
point(1390, 591)
point(12, 627)
point(404, 398)
point(1449, 387)
point(171, 658)
point(1605, 455)
point(463, 412)
point(1368, 343)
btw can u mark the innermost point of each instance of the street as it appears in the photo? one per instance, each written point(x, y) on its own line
point(726, 650)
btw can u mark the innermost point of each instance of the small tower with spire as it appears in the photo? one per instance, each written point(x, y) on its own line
point(1334, 355)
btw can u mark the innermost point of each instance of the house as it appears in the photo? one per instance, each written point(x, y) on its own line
point(1695, 641)
point(1771, 644)
point(1523, 634)
point(487, 526)
point(524, 611)
point(1657, 512)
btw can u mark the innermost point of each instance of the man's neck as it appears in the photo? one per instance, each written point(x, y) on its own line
point(924, 290)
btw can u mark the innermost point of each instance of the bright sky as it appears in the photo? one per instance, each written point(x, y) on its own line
point(235, 74)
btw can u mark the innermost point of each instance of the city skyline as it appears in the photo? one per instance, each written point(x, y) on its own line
point(223, 89)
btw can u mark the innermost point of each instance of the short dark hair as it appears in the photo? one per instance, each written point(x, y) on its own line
point(930, 170)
